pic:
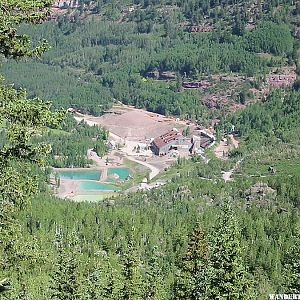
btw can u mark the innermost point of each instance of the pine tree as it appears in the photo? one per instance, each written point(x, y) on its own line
point(179, 82)
point(102, 281)
point(110, 288)
point(64, 279)
point(292, 266)
point(92, 285)
point(191, 280)
point(228, 275)
point(131, 278)
point(238, 27)
point(22, 119)
point(154, 287)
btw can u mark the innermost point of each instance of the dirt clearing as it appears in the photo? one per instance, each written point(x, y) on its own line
point(133, 124)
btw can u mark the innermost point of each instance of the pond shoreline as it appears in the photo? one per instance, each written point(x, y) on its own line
point(94, 185)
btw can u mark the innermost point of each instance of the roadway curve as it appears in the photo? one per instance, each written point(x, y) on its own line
point(154, 171)
point(93, 155)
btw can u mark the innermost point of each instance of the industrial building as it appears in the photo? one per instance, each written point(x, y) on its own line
point(163, 144)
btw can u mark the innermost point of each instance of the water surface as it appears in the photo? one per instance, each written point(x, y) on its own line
point(80, 174)
point(94, 185)
point(122, 173)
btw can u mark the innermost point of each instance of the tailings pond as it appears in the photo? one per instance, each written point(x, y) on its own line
point(80, 174)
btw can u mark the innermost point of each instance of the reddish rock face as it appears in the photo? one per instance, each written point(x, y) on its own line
point(204, 84)
point(277, 80)
point(69, 3)
point(202, 28)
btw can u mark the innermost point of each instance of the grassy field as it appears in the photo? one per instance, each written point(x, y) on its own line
point(138, 173)
point(182, 166)
point(263, 168)
point(58, 132)
point(91, 198)
point(289, 167)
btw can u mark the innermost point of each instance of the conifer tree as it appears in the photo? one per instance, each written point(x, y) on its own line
point(154, 287)
point(292, 266)
point(22, 119)
point(102, 281)
point(191, 280)
point(92, 285)
point(131, 278)
point(111, 285)
point(228, 275)
point(64, 280)
point(239, 25)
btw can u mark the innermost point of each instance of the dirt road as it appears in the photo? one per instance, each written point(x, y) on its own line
point(100, 163)
point(153, 170)
point(227, 175)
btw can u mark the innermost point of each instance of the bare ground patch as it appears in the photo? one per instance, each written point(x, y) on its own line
point(133, 124)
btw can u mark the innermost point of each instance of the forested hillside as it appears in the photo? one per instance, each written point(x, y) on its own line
point(70, 144)
point(197, 237)
point(96, 59)
point(160, 244)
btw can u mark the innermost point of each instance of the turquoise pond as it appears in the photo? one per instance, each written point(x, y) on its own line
point(93, 185)
point(122, 173)
point(80, 175)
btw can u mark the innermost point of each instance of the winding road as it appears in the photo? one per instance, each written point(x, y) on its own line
point(153, 170)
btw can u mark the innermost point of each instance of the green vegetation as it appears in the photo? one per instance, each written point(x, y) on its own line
point(95, 61)
point(270, 38)
point(69, 146)
point(139, 172)
point(197, 237)
point(18, 156)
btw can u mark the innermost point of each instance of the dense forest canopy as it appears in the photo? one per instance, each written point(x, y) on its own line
point(197, 237)
point(96, 60)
